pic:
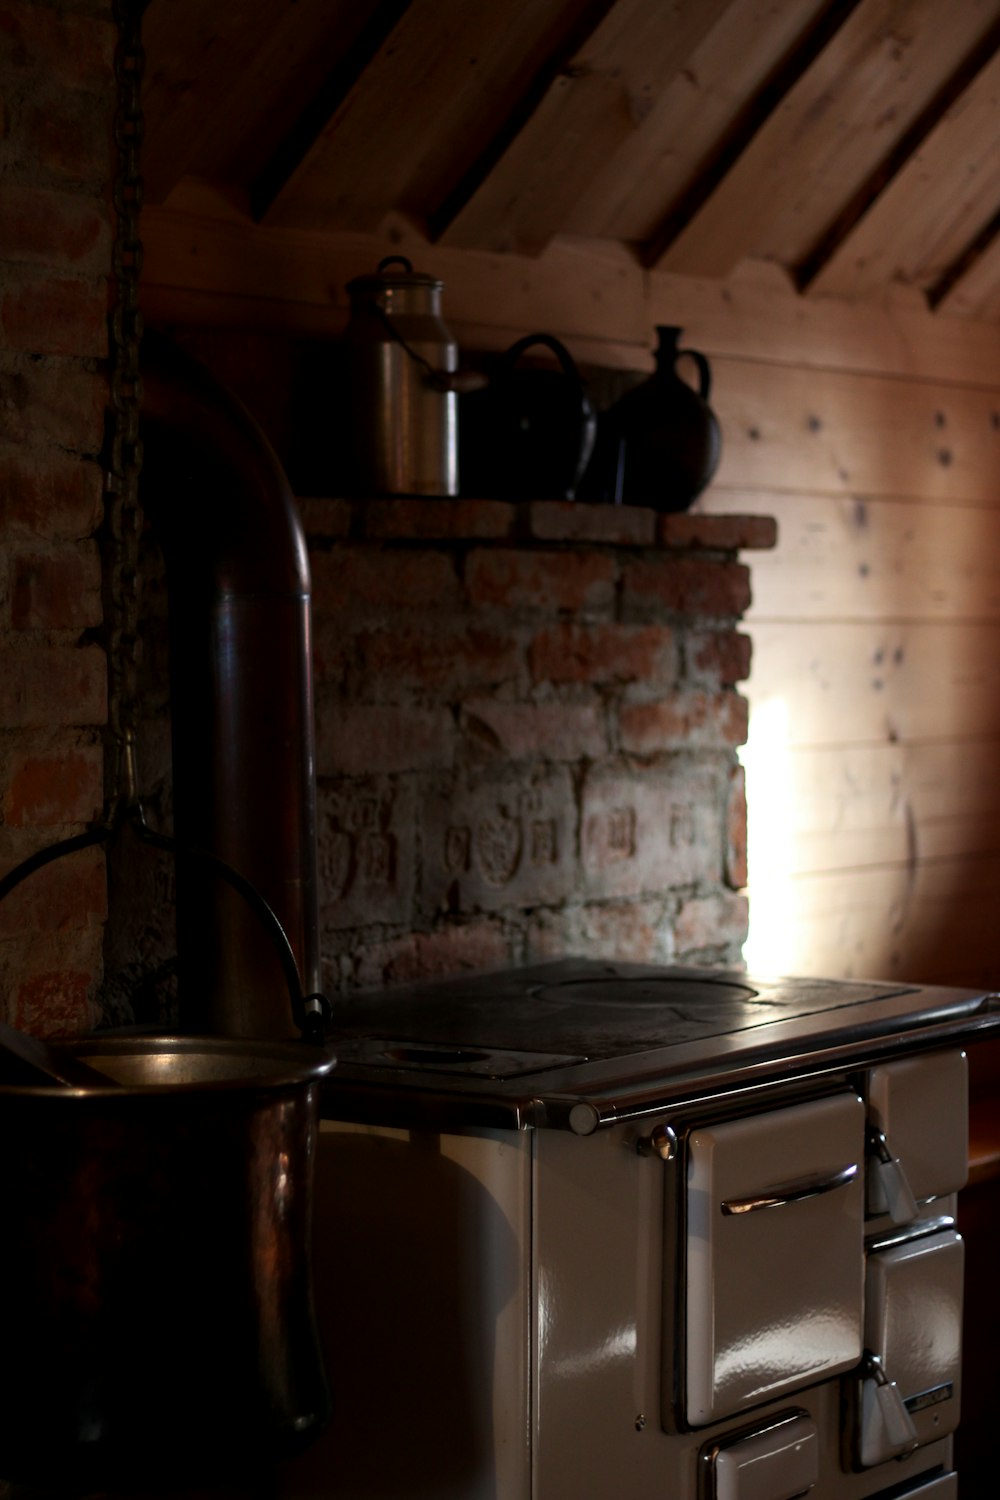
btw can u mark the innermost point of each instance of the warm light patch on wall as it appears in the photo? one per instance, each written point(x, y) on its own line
point(767, 761)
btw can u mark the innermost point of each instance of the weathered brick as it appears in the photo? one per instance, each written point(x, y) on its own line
point(736, 830)
point(55, 1003)
point(62, 138)
point(54, 788)
point(431, 517)
point(505, 842)
point(67, 896)
point(367, 852)
point(544, 731)
point(48, 314)
point(457, 947)
point(611, 525)
point(49, 686)
point(683, 721)
point(720, 656)
point(636, 931)
point(54, 496)
point(362, 739)
point(446, 662)
point(366, 581)
point(633, 930)
point(649, 830)
point(53, 402)
point(56, 590)
point(73, 51)
point(686, 586)
point(324, 519)
point(605, 652)
point(719, 533)
point(64, 230)
point(545, 581)
point(332, 651)
point(719, 920)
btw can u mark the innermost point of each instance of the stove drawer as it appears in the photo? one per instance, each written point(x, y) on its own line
point(774, 1254)
point(779, 1460)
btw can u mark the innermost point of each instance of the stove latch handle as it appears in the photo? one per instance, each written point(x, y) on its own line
point(888, 1190)
point(887, 1427)
point(661, 1142)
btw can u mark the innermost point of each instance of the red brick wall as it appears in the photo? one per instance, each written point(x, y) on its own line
point(56, 104)
point(527, 725)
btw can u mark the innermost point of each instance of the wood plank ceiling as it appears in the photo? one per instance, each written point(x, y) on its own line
point(856, 143)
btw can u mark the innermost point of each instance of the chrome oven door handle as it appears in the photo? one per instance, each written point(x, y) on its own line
point(791, 1192)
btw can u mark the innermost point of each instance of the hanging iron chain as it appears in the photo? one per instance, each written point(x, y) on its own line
point(123, 516)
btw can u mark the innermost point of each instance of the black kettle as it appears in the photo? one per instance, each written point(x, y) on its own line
point(529, 433)
point(660, 444)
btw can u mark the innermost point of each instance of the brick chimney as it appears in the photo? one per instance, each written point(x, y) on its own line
point(56, 107)
point(527, 724)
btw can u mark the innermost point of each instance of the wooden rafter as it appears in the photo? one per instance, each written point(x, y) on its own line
point(744, 129)
point(977, 75)
point(835, 125)
point(518, 197)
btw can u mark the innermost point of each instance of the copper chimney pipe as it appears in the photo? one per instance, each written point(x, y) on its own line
point(241, 694)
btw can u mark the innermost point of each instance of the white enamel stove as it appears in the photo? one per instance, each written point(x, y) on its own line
point(589, 1230)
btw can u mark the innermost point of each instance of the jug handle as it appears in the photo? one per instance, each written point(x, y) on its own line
point(704, 370)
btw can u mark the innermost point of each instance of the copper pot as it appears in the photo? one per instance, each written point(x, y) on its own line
point(158, 1322)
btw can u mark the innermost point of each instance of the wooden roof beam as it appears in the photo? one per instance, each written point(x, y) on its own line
point(295, 148)
point(971, 286)
point(744, 131)
point(195, 53)
point(809, 270)
point(427, 103)
point(576, 112)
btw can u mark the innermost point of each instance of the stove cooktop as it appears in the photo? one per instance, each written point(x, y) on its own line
point(529, 1039)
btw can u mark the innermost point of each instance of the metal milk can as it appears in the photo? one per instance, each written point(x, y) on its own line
point(404, 406)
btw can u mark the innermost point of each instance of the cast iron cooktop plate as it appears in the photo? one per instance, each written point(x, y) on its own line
point(576, 1010)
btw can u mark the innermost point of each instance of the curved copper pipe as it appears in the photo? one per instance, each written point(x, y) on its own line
point(241, 693)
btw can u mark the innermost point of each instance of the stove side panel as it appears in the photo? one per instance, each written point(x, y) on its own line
point(421, 1262)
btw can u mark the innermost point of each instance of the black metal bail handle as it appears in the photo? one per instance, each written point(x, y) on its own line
point(310, 1012)
point(438, 380)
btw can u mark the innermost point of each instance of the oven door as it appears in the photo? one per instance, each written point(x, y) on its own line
point(913, 1324)
point(774, 1227)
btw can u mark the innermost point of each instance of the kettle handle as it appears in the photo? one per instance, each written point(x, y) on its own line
point(560, 351)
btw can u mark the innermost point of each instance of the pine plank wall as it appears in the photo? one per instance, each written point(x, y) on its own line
point(872, 434)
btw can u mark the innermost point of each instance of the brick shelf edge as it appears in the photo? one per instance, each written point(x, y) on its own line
point(433, 518)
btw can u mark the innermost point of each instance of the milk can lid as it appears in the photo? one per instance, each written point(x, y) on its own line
point(386, 275)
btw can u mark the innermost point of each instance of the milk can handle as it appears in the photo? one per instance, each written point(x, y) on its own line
point(310, 1012)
